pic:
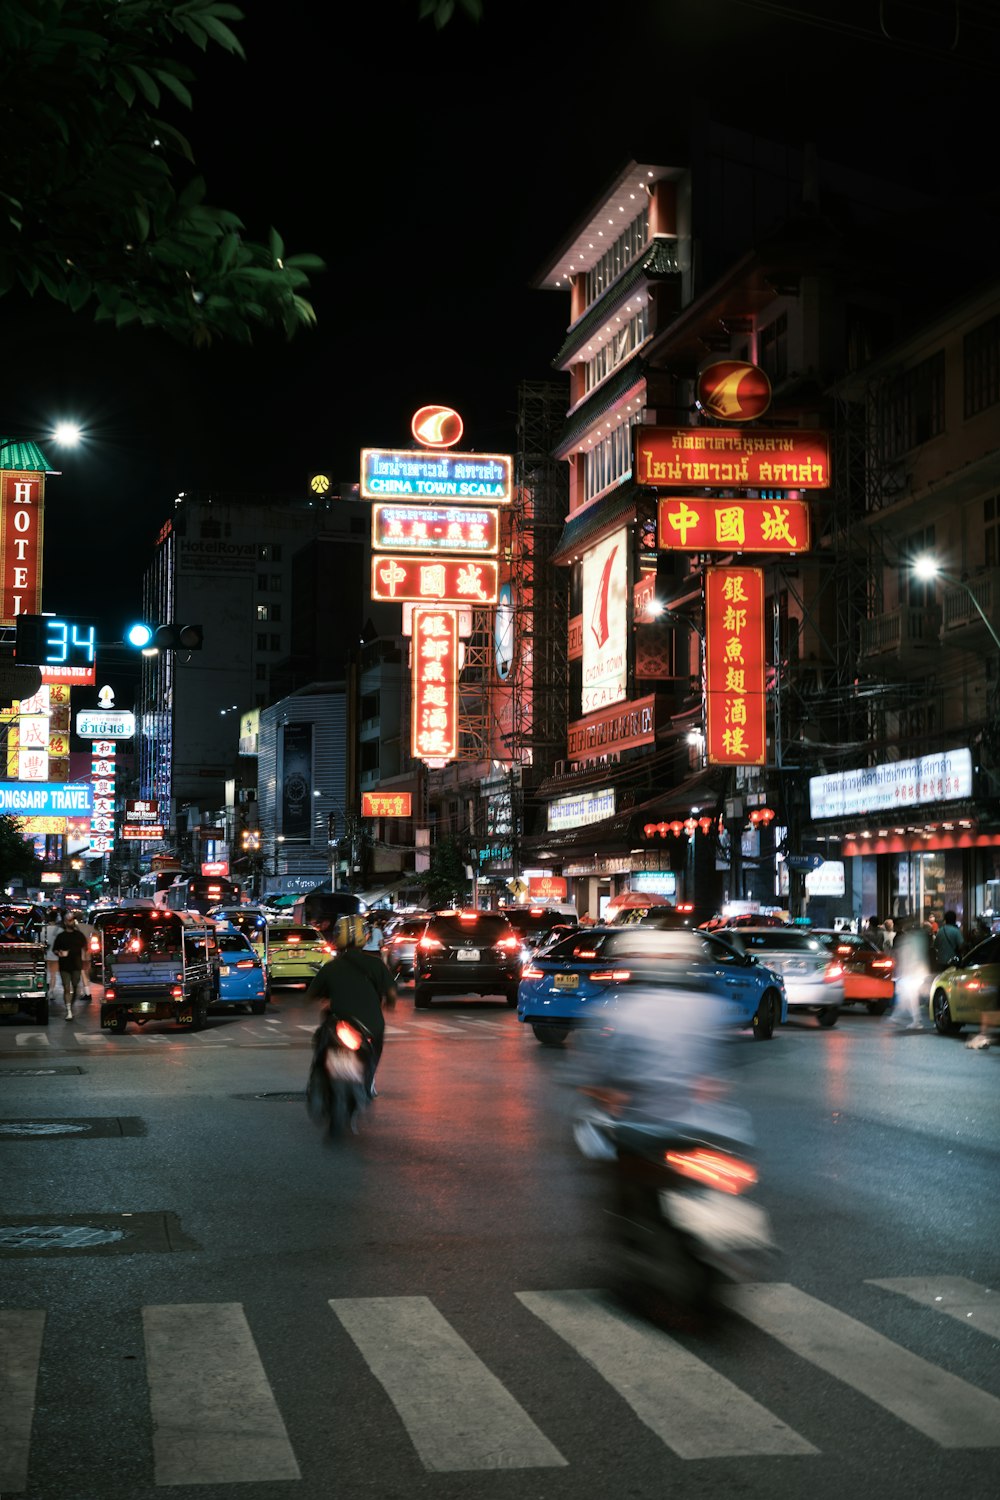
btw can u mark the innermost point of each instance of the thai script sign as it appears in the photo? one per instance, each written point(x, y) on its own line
point(735, 731)
point(435, 684)
point(718, 457)
point(149, 831)
point(407, 474)
point(578, 811)
point(546, 888)
point(893, 786)
point(443, 581)
point(386, 804)
point(119, 725)
point(691, 523)
point(436, 528)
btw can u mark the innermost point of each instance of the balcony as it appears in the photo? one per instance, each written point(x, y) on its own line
point(369, 728)
point(370, 779)
point(961, 621)
point(906, 633)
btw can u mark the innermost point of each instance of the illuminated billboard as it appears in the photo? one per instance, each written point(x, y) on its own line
point(435, 684)
point(436, 528)
point(386, 804)
point(605, 622)
point(408, 474)
point(735, 729)
point(692, 523)
point(21, 497)
point(724, 458)
point(446, 580)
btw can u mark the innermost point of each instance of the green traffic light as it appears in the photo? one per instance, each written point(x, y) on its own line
point(139, 635)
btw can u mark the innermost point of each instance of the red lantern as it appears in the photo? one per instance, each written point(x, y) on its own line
point(649, 830)
point(690, 824)
point(663, 829)
point(677, 828)
point(765, 815)
point(704, 824)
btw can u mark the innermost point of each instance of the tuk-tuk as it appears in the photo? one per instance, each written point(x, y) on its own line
point(157, 965)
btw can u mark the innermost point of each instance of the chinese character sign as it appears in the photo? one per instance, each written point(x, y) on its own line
point(445, 580)
point(21, 496)
point(435, 684)
point(734, 667)
point(691, 523)
point(386, 804)
point(436, 528)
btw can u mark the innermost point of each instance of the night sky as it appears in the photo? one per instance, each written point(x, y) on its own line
point(434, 172)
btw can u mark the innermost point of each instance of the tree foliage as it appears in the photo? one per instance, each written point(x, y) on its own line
point(446, 881)
point(17, 857)
point(101, 205)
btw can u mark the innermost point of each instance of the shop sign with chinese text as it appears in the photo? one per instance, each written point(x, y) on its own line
point(893, 786)
point(692, 523)
point(451, 580)
point(734, 667)
point(152, 832)
point(386, 804)
point(408, 474)
point(721, 458)
point(435, 684)
point(436, 528)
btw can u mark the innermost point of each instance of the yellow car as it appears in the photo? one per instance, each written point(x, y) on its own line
point(962, 992)
point(295, 954)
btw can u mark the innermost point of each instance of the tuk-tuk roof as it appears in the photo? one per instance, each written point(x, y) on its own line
point(163, 916)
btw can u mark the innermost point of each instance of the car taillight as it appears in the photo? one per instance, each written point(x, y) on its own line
point(348, 1036)
point(95, 946)
point(177, 992)
point(510, 943)
point(109, 992)
point(727, 1173)
point(246, 963)
point(327, 948)
point(294, 939)
point(428, 944)
point(833, 973)
point(532, 973)
point(886, 964)
point(617, 976)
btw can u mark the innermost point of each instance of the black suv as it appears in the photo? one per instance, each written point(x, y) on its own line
point(467, 952)
point(535, 925)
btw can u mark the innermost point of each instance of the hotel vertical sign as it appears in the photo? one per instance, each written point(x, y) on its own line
point(21, 495)
point(736, 732)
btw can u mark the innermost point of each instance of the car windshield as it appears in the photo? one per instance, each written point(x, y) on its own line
point(409, 929)
point(483, 927)
point(528, 921)
point(293, 937)
point(781, 940)
point(233, 944)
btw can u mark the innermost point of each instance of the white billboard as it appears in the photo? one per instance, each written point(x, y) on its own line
point(892, 787)
point(605, 622)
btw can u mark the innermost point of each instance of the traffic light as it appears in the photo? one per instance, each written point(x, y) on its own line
point(146, 637)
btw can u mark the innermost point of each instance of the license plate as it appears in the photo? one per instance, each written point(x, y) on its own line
point(7, 1007)
point(721, 1221)
point(223, 968)
point(566, 981)
point(145, 1006)
point(468, 955)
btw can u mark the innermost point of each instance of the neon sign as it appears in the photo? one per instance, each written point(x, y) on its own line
point(720, 458)
point(407, 474)
point(735, 730)
point(435, 684)
point(692, 523)
point(446, 580)
point(436, 528)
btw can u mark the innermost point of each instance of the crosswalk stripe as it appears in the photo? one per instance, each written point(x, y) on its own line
point(690, 1407)
point(215, 1420)
point(945, 1409)
point(457, 1413)
point(20, 1352)
point(975, 1306)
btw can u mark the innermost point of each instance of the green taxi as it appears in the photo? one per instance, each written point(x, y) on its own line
point(966, 988)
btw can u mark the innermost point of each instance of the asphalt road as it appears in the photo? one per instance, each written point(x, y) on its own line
point(199, 1294)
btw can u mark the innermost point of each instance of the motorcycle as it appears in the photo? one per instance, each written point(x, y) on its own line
point(340, 1079)
point(678, 1211)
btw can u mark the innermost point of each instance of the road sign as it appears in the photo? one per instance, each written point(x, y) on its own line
point(803, 861)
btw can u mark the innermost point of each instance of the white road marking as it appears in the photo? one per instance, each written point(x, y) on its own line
point(28, 1038)
point(690, 1407)
point(20, 1352)
point(215, 1420)
point(456, 1411)
point(947, 1410)
point(975, 1306)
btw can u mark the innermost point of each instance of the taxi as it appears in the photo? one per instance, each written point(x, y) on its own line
point(295, 954)
point(967, 990)
point(242, 976)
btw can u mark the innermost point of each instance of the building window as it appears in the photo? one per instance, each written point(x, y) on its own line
point(262, 583)
point(276, 642)
point(276, 612)
point(916, 592)
point(981, 368)
point(263, 612)
point(609, 461)
point(261, 641)
point(618, 257)
point(991, 529)
point(911, 409)
point(620, 345)
point(772, 349)
point(275, 583)
point(261, 672)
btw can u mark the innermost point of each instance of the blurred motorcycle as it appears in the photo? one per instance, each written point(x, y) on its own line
point(340, 1079)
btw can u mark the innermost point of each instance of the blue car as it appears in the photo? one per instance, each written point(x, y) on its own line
point(580, 978)
point(242, 976)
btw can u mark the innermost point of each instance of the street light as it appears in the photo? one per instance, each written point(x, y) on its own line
point(28, 455)
point(928, 569)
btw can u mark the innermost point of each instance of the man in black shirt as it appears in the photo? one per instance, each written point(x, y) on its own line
point(356, 986)
point(69, 947)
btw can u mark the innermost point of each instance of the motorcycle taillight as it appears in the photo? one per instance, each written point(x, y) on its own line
point(348, 1035)
point(714, 1168)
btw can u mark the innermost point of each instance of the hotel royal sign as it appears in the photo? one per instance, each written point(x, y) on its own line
point(435, 548)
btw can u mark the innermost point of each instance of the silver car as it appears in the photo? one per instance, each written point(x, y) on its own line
point(813, 975)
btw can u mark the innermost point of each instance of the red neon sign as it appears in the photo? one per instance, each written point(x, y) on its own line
point(692, 523)
point(734, 391)
point(21, 544)
point(436, 528)
point(445, 580)
point(735, 729)
point(435, 684)
point(721, 458)
point(386, 804)
point(437, 426)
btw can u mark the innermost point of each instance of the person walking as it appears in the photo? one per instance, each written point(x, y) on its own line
point(356, 986)
point(87, 929)
point(68, 948)
point(376, 936)
point(912, 952)
point(949, 942)
point(888, 933)
point(51, 930)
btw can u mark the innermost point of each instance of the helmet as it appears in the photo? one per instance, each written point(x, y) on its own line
point(349, 932)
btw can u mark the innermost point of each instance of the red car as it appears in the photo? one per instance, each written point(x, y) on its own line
point(868, 971)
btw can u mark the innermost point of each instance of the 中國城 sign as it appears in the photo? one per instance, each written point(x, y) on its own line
point(693, 523)
point(408, 474)
point(893, 786)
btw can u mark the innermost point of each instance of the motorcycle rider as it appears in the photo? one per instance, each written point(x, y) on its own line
point(357, 987)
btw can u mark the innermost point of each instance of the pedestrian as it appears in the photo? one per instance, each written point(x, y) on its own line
point(912, 952)
point(949, 942)
point(888, 933)
point(356, 985)
point(87, 929)
point(873, 931)
point(51, 930)
point(376, 937)
point(68, 947)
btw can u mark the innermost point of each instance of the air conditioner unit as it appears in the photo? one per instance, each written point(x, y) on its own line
point(559, 769)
